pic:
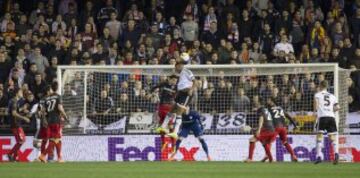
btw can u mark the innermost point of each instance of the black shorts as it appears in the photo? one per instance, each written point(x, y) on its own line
point(183, 98)
point(326, 124)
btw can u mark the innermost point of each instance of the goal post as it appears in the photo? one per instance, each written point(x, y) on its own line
point(118, 99)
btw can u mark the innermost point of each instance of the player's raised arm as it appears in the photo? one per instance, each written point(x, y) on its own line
point(315, 105)
point(287, 115)
point(16, 114)
point(261, 122)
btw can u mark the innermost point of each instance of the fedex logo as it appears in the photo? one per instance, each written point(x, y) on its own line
point(149, 153)
point(303, 152)
point(23, 156)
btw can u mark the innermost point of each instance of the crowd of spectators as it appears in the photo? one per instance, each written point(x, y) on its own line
point(38, 35)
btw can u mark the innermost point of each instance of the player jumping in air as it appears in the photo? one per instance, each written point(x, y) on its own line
point(16, 106)
point(191, 122)
point(279, 115)
point(183, 97)
point(53, 108)
point(325, 106)
point(265, 134)
point(167, 96)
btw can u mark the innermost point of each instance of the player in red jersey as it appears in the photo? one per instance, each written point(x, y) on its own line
point(279, 115)
point(265, 134)
point(53, 108)
point(167, 96)
point(16, 105)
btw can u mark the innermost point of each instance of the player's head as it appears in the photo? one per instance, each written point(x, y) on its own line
point(172, 79)
point(323, 85)
point(54, 86)
point(271, 101)
point(179, 66)
point(48, 90)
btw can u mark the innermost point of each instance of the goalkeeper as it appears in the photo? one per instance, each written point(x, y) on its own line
point(191, 122)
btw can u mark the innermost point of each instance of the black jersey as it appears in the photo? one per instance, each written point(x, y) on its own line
point(15, 105)
point(167, 92)
point(268, 124)
point(278, 116)
point(51, 104)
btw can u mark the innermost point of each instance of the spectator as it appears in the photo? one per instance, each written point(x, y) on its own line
point(41, 61)
point(210, 18)
point(88, 37)
point(317, 35)
point(114, 26)
point(283, 45)
point(212, 35)
point(354, 93)
point(241, 103)
point(104, 14)
point(38, 86)
point(3, 106)
point(267, 40)
point(189, 30)
point(51, 71)
point(5, 67)
point(58, 24)
point(338, 34)
point(130, 33)
point(103, 104)
point(355, 27)
point(207, 102)
point(355, 60)
point(122, 104)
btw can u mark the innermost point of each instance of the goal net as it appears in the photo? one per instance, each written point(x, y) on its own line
point(119, 100)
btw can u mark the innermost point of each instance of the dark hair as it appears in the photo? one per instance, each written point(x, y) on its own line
point(173, 76)
point(54, 86)
point(47, 88)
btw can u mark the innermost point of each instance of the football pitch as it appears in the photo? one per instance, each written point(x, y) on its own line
point(178, 170)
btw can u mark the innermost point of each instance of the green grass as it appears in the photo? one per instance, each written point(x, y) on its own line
point(179, 170)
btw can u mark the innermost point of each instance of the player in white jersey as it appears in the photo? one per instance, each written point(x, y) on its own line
point(325, 106)
point(183, 98)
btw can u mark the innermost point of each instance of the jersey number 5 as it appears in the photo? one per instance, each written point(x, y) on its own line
point(327, 100)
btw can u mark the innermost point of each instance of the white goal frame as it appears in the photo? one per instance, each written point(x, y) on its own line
point(87, 68)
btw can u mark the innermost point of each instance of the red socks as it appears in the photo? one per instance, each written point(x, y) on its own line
point(251, 150)
point(268, 152)
point(58, 150)
point(43, 146)
point(290, 150)
point(15, 149)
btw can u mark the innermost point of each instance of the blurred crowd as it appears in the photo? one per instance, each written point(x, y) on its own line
point(38, 35)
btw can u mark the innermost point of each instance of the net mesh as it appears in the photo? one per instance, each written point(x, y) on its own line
point(103, 100)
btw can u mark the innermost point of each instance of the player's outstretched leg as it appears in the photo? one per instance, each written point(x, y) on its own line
point(177, 125)
point(252, 142)
point(291, 151)
point(319, 139)
point(164, 125)
point(177, 146)
point(205, 148)
point(14, 152)
point(267, 148)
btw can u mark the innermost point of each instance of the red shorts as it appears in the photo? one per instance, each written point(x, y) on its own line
point(282, 132)
point(44, 133)
point(266, 136)
point(19, 134)
point(163, 110)
point(55, 131)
